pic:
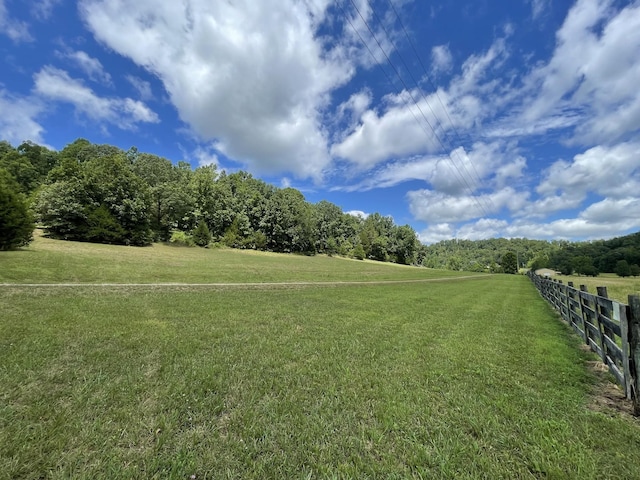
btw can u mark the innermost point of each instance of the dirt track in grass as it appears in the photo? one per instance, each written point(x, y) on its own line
point(237, 285)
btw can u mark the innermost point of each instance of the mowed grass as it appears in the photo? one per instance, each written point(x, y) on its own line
point(55, 261)
point(469, 379)
point(618, 288)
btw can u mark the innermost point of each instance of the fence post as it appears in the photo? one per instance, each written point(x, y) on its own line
point(603, 329)
point(633, 317)
point(623, 317)
point(583, 314)
point(569, 306)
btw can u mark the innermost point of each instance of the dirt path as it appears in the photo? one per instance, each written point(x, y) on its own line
point(236, 285)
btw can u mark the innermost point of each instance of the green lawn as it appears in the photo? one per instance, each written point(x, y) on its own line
point(475, 378)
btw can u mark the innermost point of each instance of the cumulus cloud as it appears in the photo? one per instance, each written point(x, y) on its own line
point(56, 84)
point(253, 76)
point(416, 122)
point(482, 229)
point(436, 232)
point(18, 121)
point(608, 171)
point(437, 207)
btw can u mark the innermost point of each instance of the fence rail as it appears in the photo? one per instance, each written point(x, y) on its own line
point(611, 329)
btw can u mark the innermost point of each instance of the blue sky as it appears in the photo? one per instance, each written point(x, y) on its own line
point(465, 119)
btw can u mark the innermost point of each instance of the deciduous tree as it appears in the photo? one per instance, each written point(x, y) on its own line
point(16, 221)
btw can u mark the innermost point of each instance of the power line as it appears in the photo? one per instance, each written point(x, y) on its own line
point(435, 89)
point(435, 134)
point(461, 160)
point(389, 79)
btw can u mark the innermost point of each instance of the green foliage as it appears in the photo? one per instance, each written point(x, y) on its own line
point(201, 235)
point(331, 246)
point(102, 200)
point(181, 239)
point(16, 220)
point(102, 226)
point(623, 269)
point(583, 265)
point(99, 193)
point(509, 263)
point(358, 252)
point(473, 254)
point(635, 270)
point(287, 222)
point(454, 263)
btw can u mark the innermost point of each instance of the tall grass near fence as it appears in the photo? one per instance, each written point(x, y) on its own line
point(474, 379)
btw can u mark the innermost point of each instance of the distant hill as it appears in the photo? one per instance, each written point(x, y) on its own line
point(588, 258)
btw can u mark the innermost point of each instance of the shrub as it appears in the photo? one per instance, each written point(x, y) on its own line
point(358, 252)
point(181, 239)
point(202, 235)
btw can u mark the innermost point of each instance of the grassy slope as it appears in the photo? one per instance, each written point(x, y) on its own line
point(475, 379)
point(52, 261)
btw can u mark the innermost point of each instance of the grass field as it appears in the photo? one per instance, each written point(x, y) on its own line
point(53, 261)
point(618, 288)
point(474, 378)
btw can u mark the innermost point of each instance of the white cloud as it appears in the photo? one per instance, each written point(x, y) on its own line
point(42, 9)
point(572, 229)
point(436, 232)
point(398, 132)
point(352, 109)
point(253, 76)
point(546, 205)
point(358, 213)
point(538, 7)
point(608, 171)
point(143, 87)
point(125, 113)
point(437, 207)
point(417, 123)
point(593, 73)
point(486, 166)
point(482, 229)
point(441, 59)
point(90, 66)
point(16, 30)
point(205, 157)
point(609, 210)
point(18, 120)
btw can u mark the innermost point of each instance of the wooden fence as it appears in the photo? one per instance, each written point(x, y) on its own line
point(610, 328)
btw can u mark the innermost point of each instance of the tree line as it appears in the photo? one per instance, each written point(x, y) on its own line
point(619, 255)
point(100, 193)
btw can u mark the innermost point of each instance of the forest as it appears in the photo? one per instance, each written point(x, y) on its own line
point(100, 193)
point(619, 255)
